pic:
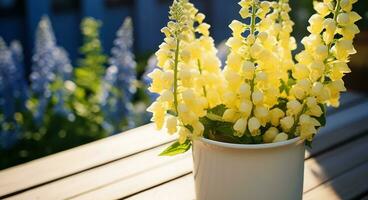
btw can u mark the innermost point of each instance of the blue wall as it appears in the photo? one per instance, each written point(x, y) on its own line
point(149, 16)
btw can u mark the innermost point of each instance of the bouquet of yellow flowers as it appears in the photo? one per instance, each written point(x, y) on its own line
point(264, 94)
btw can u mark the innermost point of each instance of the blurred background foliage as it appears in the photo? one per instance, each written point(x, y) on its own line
point(52, 99)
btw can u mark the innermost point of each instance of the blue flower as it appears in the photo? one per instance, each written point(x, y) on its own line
point(9, 129)
point(21, 86)
point(120, 81)
point(51, 65)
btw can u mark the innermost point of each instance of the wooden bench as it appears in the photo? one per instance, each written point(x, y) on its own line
point(126, 166)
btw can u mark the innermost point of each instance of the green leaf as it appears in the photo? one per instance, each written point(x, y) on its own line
point(218, 110)
point(177, 148)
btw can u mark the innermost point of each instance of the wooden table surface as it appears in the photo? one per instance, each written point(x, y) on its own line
point(126, 166)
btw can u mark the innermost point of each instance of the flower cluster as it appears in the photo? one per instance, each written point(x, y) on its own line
point(262, 95)
point(50, 65)
point(323, 62)
point(9, 90)
point(119, 82)
point(189, 79)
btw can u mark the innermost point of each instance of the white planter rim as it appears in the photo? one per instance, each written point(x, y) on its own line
point(296, 140)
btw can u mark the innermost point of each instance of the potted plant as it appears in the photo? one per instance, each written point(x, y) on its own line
point(248, 123)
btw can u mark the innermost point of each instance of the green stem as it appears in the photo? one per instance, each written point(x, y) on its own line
point(176, 63)
point(296, 121)
point(253, 19)
point(200, 71)
point(329, 57)
point(214, 117)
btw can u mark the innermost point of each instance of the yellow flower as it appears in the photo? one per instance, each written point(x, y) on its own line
point(237, 27)
point(321, 8)
point(183, 134)
point(342, 49)
point(280, 137)
point(316, 24)
point(253, 126)
point(230, 115)
point(204, 29)
point(257, 97)
point(240, 126)
point(276, 114)
point(171, 124)
point(158, 112)
point(343, 19)
point(286, 123)
point(294, 107)
point(270, 135)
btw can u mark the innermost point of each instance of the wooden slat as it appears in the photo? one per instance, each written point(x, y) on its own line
point(317, 171)
point(335, 162)
point(347, 186)
point(78, 159)
point(113, 184)
point(134, 173)
point(340, 127)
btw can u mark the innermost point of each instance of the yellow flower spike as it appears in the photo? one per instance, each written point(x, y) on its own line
point(270, 135)
point(190, 82)
point(280, 137)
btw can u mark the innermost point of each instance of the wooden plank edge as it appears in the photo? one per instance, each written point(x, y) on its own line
point(347, 186)
point(22, 177)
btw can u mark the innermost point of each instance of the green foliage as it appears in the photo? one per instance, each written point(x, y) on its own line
point(84, 121)
point(91, 68)
point(177, 148)
point(88, 78)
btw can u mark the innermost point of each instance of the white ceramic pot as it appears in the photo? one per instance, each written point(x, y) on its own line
point(224, 171)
